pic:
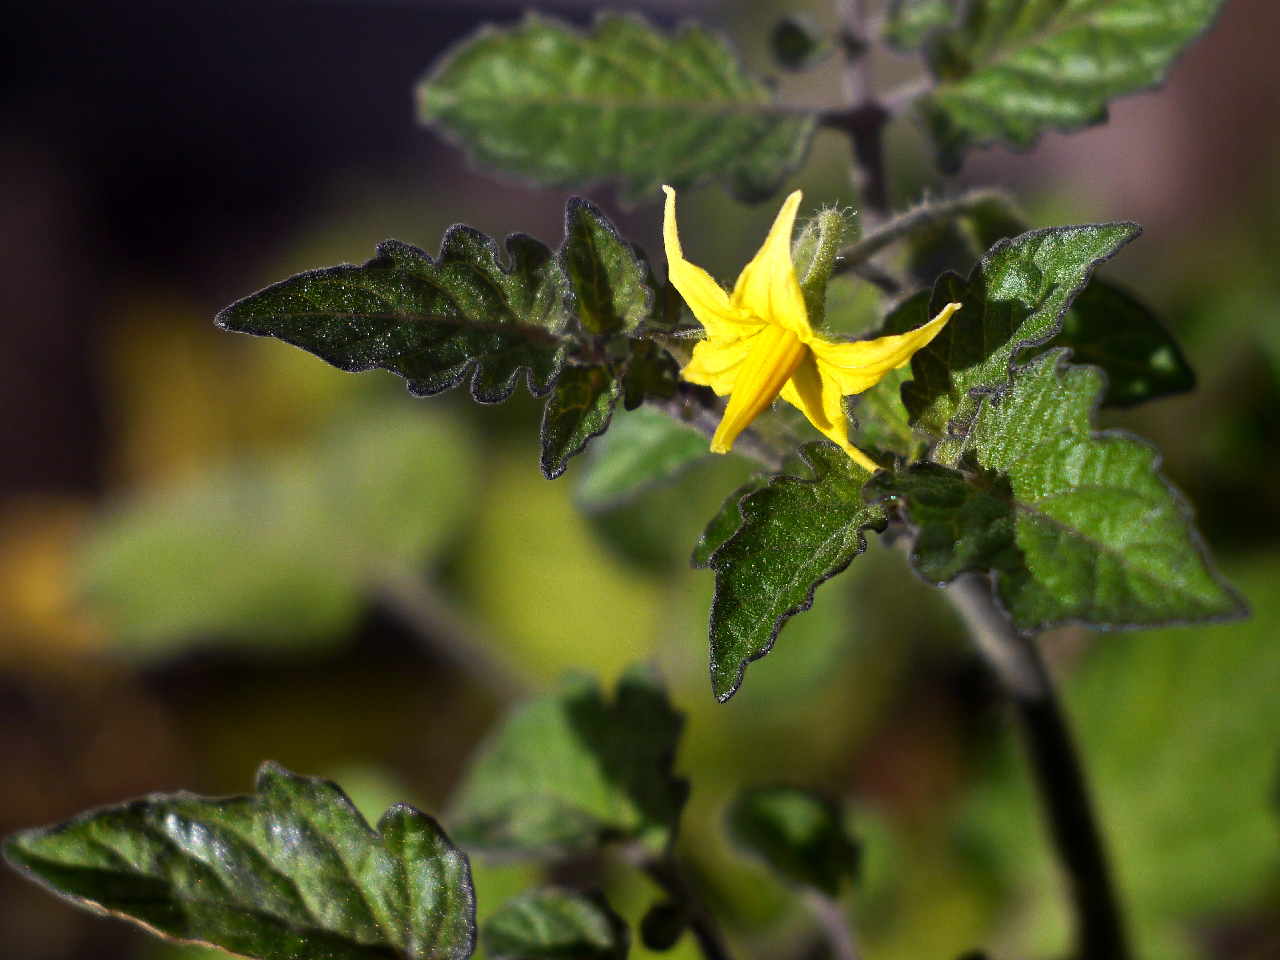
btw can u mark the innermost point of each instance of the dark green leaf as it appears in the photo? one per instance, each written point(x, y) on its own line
point(1078, 526)
point(623, 102)
point(609, 280)
point(908, 22)
point(642, 449)
point(663, 924)
point(579, 408)
point(1014, 298)
point(795, 535)
point(725, 523)
point(797, 833)
point(569, 771)
point(431, 322)
point(650, 372)
point(1012, 69)
point(292, 873)
point(797, 44)
point(1106, 327)
point(556, 924)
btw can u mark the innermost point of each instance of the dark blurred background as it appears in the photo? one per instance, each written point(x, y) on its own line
point(181, 595)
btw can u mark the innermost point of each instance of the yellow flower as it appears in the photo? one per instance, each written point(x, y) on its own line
point(760, 346)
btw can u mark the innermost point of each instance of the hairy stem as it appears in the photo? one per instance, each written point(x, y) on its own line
point(1059, 776)
point(926, 214)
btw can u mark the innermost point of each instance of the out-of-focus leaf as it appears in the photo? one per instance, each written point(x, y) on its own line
point(609, 282)
point(797, 45)
point(1012, 69)
point(795, 534)
point(663, 924)
point(291, 873)
point(555, 106)
point(282, 551)
point(1080, 526)
point(432, 322)
point(1014, 298)
point(725, 523)
point(908, 22)
point(556, 924)
point(570, 771)
point(1177, 729)
point(1106, 327)
point(644, 447)
point(579, 408)
point(797, 833)
point(650, 371)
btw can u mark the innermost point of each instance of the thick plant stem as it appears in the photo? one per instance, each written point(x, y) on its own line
point(1059, 776)
point(864, 120)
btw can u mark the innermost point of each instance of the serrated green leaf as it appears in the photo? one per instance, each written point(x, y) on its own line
point(292, 873)
point(579, 408)
point(609, 280)
point(1012, 69)
point(432, 322)
point(1014, 298)
point(1078, 526)
point(622, 102)
point(286, 549)
point(726, 522)
point(908, 22)
point(556, 924)
point(797, 44)
point(643, 448)
point(570, 771)
point(1106, 327)
point(795, 535)
point(797, 833)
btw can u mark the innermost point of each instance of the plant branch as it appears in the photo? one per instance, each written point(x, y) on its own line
point(667, 874)
point(864, 120)
point(926, 214)
point(686, 408)
point(1076, 835)
point(834, 924)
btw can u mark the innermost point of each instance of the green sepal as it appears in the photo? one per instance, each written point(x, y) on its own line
point(1014, 298)
point(1077, 526)
point(795, 534)
point(579, 408)
point(570, 771)
point(293, 872)
point(726, 522)
point(641, 449)
point(814, 252)
point(798, 833)
point(663, 924)
point(553, 923)
point(432, 322)
point(609, 280)
point(1011, 69)
point(1107, 327)
point(797, 44)
point(621, 101)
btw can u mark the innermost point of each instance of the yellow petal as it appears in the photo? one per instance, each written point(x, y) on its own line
point(715, 363)
point(767, 286)
point(819, 399)
point(775, 354)
point(860, 365)
point(709, 303)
